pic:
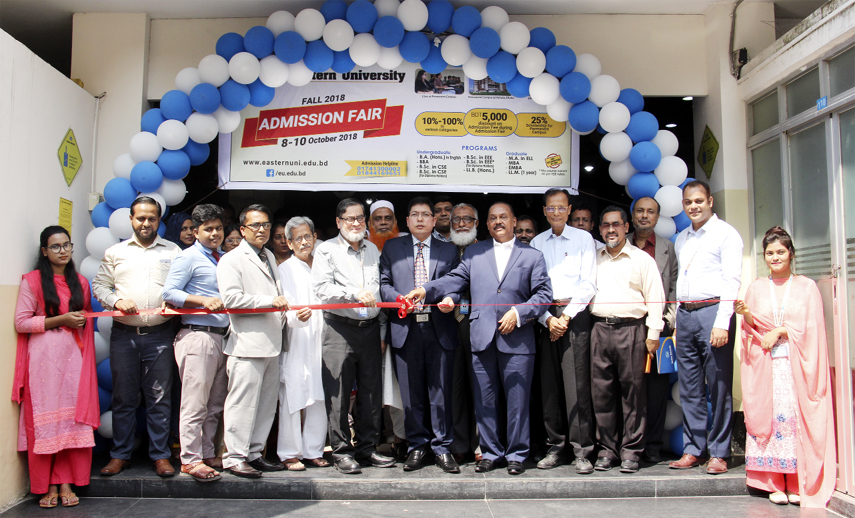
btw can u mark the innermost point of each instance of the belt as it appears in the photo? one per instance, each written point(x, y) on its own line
point(207, 329)
point(615, 321)
point(422, 318)
point(350, 321)
point(562, 302)
point(142, 330)
point(694, 306)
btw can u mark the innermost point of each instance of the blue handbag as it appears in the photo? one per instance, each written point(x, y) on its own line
point(666, 356)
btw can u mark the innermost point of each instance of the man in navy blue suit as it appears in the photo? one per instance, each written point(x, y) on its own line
point(509, 286)
point(423, 342)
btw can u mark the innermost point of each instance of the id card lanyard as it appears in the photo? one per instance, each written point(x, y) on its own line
point(691, 260)
point(363, 312)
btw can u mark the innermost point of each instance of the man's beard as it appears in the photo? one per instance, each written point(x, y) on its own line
point(463, 238)
point(379, 238)
point(352, 237)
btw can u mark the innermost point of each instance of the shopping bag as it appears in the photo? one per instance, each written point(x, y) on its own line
point(666, 356)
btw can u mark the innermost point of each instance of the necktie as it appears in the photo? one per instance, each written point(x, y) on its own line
point(216, 255)
point(420, 273)
point(263, 257)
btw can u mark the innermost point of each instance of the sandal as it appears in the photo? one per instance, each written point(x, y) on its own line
point(201, 472)
point(68, 499)
point(49, 500)
point(294, 464)
point(320, 462)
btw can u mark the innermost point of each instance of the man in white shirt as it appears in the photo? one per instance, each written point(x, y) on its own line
point(710, 259)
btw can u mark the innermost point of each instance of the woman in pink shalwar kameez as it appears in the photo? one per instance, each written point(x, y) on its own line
point(55, 381)
point(786, 385)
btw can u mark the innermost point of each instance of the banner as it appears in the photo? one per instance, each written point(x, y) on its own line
point(403, 128)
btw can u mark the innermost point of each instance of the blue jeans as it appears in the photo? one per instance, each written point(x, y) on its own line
point(141, 363)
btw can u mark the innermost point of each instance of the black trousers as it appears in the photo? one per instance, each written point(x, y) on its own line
point(658, 389)
point(462, 402)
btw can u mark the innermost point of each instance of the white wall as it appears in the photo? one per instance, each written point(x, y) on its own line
point(39, 105)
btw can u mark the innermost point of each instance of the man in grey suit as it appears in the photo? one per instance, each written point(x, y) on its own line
point(248, 279)
point(645, 215)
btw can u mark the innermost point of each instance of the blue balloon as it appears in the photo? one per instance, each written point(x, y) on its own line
point(389, 31)
point(289, 47)
point(97, 308)
point(642, 185)
point(197, 152)
point(101, 214)
point(174, 164)
point(318, 58)
point(259, 41)
point(205, 98)
point(673, 378)
point(361, 15)
point(151, 120)
point(229, 44)
point(146, 176)
point(485, 42)
point(542, 38)
point(415, 47)
point(645, 156)
point(433, 63)
point(161, 229)
point(519, 85)
point(560, 60)
point(175, 104)
point(676, 440)
point(105, 399)
point(105, 376)
point(632, 99)
point(686, 181)
point(342, 62)
point(575, 87)
point(439, 16)
point(235, 96)
point(502, 67)
point(642, 126)
point(602, 131)
point(334, 10)
point(584, 116)
point(260, 94)
point(119, 193)
point(682, 221)
point(465, 20)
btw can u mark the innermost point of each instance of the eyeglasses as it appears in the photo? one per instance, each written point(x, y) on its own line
point(561, 210)
point(306, 238)
point(353, 219)
point(258, 226)
point(67, 247)
point(462, 219)
point(609, 226)
point(233, 240)
point(422, 215)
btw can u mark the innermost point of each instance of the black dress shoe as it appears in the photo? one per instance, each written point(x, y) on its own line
point(603, 464)
point(551, 460)
point(399, 451)
point(415, 460)
point(346, 465)
point(628, 466)
point(262, 464)
point(378, 460)
point(652, 457)
point(447, 463)
point(484, 465)
point(515, 468)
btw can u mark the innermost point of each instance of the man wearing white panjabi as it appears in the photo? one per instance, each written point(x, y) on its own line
point(300, 385)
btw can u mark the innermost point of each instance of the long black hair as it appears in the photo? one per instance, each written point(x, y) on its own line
point(46, 272)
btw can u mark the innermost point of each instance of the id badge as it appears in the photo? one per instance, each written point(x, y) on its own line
point(464, 306)
point(363, 312)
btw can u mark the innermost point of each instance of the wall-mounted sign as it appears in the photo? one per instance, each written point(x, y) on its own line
point(708, 151)
point(69, 157)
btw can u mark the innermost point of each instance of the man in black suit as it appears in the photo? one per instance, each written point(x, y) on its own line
point(423, 342)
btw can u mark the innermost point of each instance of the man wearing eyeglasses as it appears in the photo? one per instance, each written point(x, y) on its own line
point(564, 352)
point(346, 270)
point(249, 279)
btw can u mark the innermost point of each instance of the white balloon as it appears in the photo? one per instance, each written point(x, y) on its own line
point(544, 89)
point(665, 228)
point(589, 65)
point(365, 51)
point(615, 147)
point(475, 68)
point(666, 142)
point(120, 223)
point(202, 128)
point(144, 146)
point(675, 394)
point(559, 110)
point(413, 14)
point(273, 72)
point(338, 35)
point(98, 241)
point(531, 62)
point(89, 267)
point(172, 191)
point(309, 23)
point(390, 58)
point(614, 117)
point(106, 428)
point(621, 172)
point(583, 133)
point(604, 90)
point(187, 79)
point(227, 121)
point(494, 17)
point(299, 74)
point(244, 68)
point(156, 197)
point(214, 69)
point(387, 7)
point(455, 50)
point(105, 327)
point(671, 171)
point(172, 134)
point(102, 347)
point(673, 415)
point(279, 22)
point(670, 198)
point(122, 166)
point(515, 36)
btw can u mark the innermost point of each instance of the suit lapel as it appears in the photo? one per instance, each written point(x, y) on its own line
point(515, 254)
point(434, 257)
point(409, 253)
point(253, 257)
point(661, 255)
point(491, 258)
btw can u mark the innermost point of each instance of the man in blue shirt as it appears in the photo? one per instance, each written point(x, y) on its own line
point(192, 283)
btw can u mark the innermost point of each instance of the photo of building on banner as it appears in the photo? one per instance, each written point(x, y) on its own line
point(403, 127)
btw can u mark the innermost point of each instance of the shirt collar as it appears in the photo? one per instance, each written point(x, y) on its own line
point(563, 233)
point(158, 241)
point(205, 250)
point(623, 251)
point(254, 248)
point(706, 226)
point(506, 244)
point(343, 240)
point(426, 241)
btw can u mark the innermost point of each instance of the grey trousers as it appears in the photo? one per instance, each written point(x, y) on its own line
point(250, 407)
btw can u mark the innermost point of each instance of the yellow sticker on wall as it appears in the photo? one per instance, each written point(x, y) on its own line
point(69, 157)
point(65, 208)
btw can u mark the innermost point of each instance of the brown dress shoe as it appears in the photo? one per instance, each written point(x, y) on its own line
point(164, 468)
point(717, 466)
point(686, 461)
point(114, 467)
point(243, 469)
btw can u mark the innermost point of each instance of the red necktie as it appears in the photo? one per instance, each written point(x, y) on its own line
point(216, 256)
